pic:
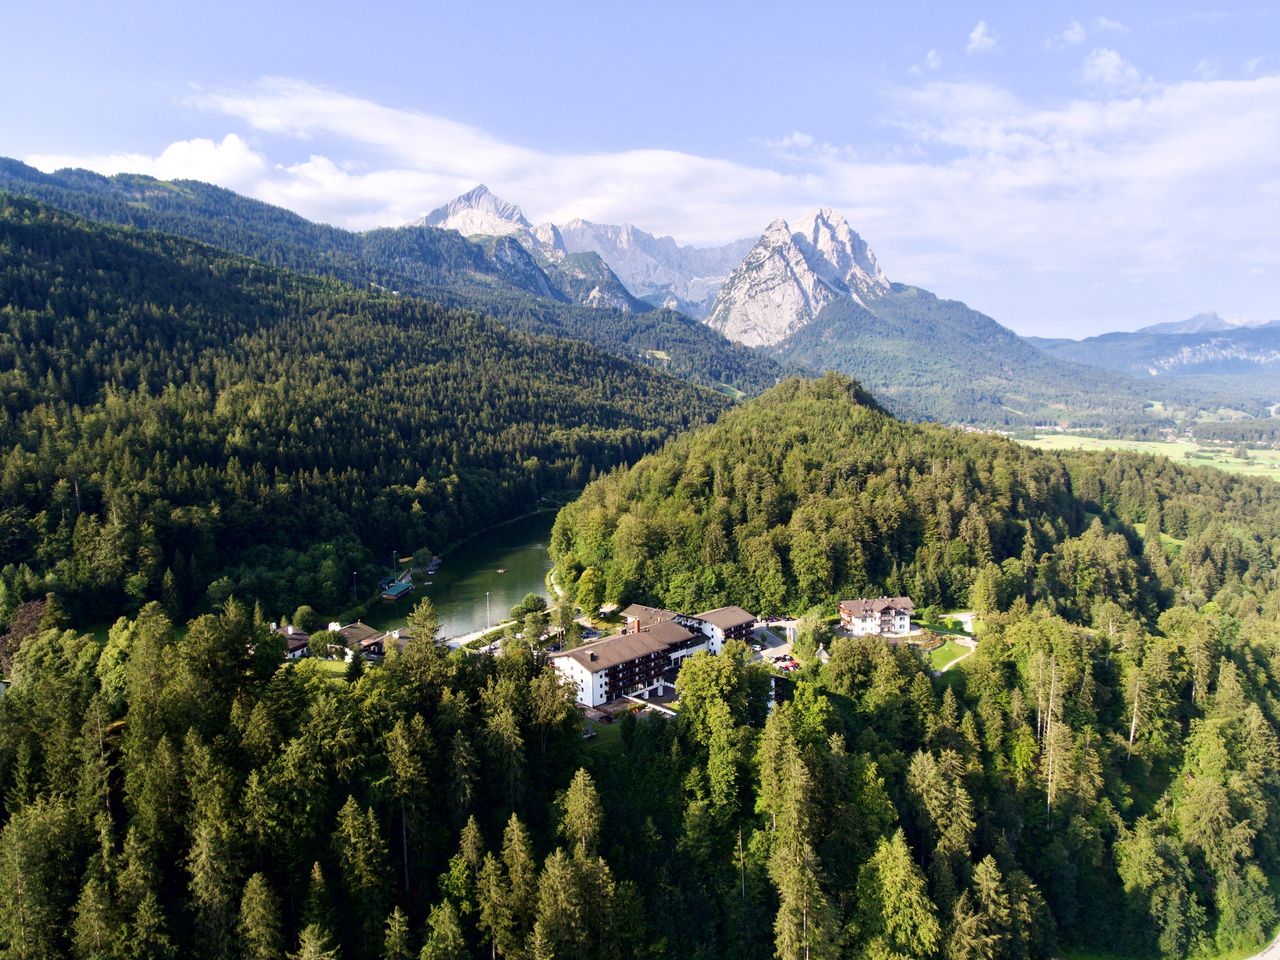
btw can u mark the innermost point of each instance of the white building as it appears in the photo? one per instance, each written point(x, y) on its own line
point(628, 663)
point(883, 616)
point(647, 655)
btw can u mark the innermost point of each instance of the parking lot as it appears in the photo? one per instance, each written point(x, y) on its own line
point(771, 647)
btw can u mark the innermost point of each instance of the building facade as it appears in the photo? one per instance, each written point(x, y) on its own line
point(648, 652)
point(882, 616)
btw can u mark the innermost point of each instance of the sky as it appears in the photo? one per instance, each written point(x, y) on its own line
point(1067, 169)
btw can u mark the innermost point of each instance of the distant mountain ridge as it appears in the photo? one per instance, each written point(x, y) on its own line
point(1207, 321)
point(808, 296)
point(582, 277)
point(497, 276)
point(657, 269)
point(1204, 345)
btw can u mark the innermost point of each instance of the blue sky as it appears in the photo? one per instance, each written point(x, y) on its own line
point(1067, 171)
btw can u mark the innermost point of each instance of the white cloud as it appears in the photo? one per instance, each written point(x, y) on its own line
point(1074, 34)
point(1109, 25)
point(1205, 70)
point(231, 163)
point(1104, 67)
point(1143, 184)
point(981, 39)
point(932, 61)
point(791, 141)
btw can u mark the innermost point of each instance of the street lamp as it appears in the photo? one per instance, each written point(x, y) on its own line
point(353, 586)
point(488, 621)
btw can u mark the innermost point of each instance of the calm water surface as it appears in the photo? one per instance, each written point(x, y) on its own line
point(470, 570)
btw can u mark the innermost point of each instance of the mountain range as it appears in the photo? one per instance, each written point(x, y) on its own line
point(581, 276)
point(813, 296)
point(1203, 345)
point(496, 276)
point(805, 296)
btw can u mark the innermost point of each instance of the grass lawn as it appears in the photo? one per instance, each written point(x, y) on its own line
point(949, 652)
point(1168, 541)
point(944, 627)
point(1264, 463)
point(332, 669)
point(608, 735)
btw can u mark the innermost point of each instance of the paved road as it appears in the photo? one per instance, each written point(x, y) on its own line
point(456, 642)
point(1271, 953)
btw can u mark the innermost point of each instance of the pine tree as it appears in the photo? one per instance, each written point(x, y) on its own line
point(314, 943)
point(261, 937)
point(522, 883)
point(580, 814)
point(396, 940)
point(94, 925)
point(444, 934)
point(362, 855)
point(495, 920)
point(898, 921)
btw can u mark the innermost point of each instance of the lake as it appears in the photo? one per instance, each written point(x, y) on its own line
point(470, 570)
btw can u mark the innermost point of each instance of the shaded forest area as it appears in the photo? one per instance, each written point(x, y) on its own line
point(180, 424)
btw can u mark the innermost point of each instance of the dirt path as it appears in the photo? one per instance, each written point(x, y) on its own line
point(973, 648)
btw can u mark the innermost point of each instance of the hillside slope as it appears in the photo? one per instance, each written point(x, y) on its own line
point(941, 360)
point(807, 494)
point(496, 277)
point(172, 412)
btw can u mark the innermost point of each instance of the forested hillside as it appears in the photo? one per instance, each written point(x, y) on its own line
point(1104, 772)
point(501, 281)
point(180, 424)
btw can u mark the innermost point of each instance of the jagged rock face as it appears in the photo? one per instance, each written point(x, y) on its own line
point(479, 213)
point(549, 268)
point(518, 264)
point(657, 269)
point(791, 274)
point(547, 236)
point(837, 253)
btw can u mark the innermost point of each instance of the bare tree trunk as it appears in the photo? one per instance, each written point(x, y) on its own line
point(404, 844)
point(1133, 726)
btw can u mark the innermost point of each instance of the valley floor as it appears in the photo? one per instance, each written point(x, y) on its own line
point(1264, 463)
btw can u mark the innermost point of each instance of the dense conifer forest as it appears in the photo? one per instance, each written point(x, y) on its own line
point(1104, 771)
point(187, 432)
point(180, 424)
point(439, 265)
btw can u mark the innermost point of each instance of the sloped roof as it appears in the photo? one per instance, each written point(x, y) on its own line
point(356, 632)
point(862, 608)
point(726, 618)
point(648, 615)
point(611, 651)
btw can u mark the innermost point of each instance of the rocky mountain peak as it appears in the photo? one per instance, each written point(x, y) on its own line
point(791, 273)
point(657, 269)
point(479, 212)
point(550, 240)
